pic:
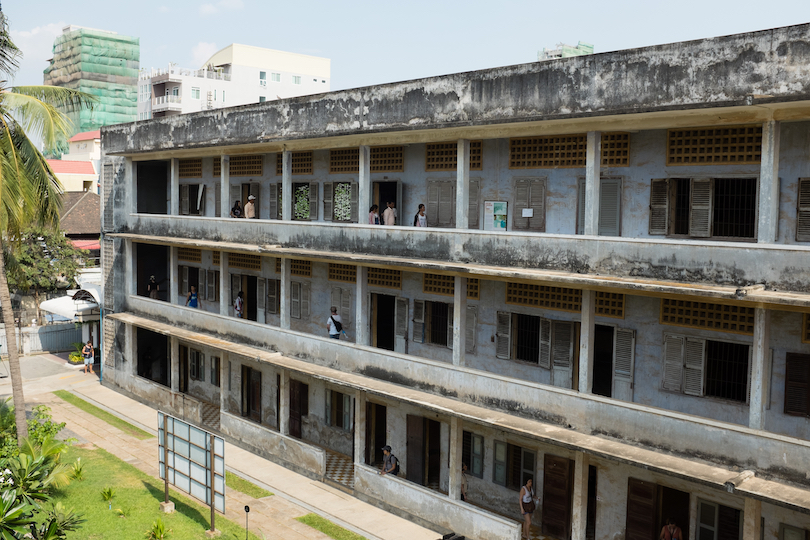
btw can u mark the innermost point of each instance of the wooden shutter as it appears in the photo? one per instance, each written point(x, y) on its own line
point(273, 209)
point(211, 291)
point(624, 345)
point(432, 209)
point(473, 208)
point(261, 295)
point(537, 202)
point(700, 210)
point(254, 190)
point(313, 201)
point(610, 204)
point(295, 300)
point(236, 195)
point(201, 273)
point(581, 194)
point(470, 331)
point(522, 188)
point(544, 357)
point(562, 353)
point(797, 383)
point(184, 199)
point(355, 202)
point(503, 335)
point(642, 509)
point(305, 300)
point(401, 322)
point(659, 207)
point(803, 211)
point(217, 200)
point(418, 321)
point(272, 296)
point(345, 306)
point(694, 362)
point(236, 286)
point(728, 523)
point(201, 199)
point(557, 492)
point(673, 362)
point(328, 191)
point(450, 316)
point(447, 204)
point(183, 272)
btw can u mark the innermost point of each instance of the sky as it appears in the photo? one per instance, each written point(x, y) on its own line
point(378, 42)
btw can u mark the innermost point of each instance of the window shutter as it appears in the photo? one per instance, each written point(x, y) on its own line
point(797, 383)
point(610, 204)
point(201, 366)
point(473, 209)
point(345, 306)
point(330, 407)
point(254, 190)
point(347, 412)
point(184, 280)
point(401, 323)
point(673, 362)
point(659, 207)
point(184, 199)
point(355, 202)
point(305, 303)
point(217, 200)
point(450, 316)
point(544, 359)
point(803, 211)
point(201, 200)
point(503, 335)
point(313, 201)
point(520, 223)
point(236, 195)
point(272, 296)
point(581, 194)
point(693, 366)
point(261, 295)
point(700, 214)
point(328, 190)
point(201, 283)
point(537, 202)
point(273, 209)
point(432, 210)
point(418, 321)
point(295, 300)
point(470, 331)
point(447, 204)
point(624, 345)
point(211, 291)
point(236, 286)
point(562, 353)
point(335, 298)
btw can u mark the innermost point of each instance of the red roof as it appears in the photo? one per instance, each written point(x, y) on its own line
point(87, 244)
point(60, 166)
point(86, 136)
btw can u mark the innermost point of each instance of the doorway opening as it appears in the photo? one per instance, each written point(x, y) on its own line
point(383, 318)
point(252, 393)
point(153, 356)
point(152, 180)
point(299, 406)
point(590, 518)
point(424, 451)
point(250, 288)
point(152, 261)
point(183, 361)
point(385, 192)
point(673, 504)
point(603, 360)
point(376, 425)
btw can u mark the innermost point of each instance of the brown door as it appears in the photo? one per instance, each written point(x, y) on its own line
point(641, 510)
point(299, 403)
point(369, 434)
point(557, 497)
point(183, 369)
point(416, 449)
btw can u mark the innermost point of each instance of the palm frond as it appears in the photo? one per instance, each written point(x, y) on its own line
point(40, 118)
point(9, 52)
point(66, 99)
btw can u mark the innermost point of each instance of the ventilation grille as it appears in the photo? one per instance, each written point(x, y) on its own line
point(215, 257)
point(473, 288)
point(246, 165)
point(610, 304)
point(387, 159)
point(615, 149)
point(109, 342)
point(245, 261)
point(107, 262)
point(547, 152)
point(344, 160)
point(107, 188)
point(191, 168)
point(383, 277)
point(301, 163)
point(438, 284)
point(189, 254)
point(806, 328)
point(300, 267)
point(559, 298)
point(444, 156)
point(719, 317)
point(343, 272)
point(720, 145)
point(217, 166)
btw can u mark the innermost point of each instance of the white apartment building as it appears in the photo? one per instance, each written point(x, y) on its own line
point(236, 75)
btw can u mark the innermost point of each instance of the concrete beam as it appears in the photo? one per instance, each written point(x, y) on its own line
point(769, 184)
point(463, 185)
point(586, 341)
point(359, 427)
point(593, 182)
point(454, 476)
point(579, 504)
point(459, 320)
point(362, 309)
point(759, 373)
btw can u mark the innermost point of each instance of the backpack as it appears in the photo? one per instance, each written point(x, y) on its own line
point(396, 467)
point(337, 324)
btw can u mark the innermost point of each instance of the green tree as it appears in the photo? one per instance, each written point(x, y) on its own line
point(30, 193)
point(44, 261)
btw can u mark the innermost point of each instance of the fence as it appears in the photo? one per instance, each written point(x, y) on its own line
point(58, 337)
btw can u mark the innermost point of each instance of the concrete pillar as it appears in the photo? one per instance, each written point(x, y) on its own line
point(459, 320)
point(284, 295)
point(362, 309)
point(454, 476)
point(130, 183)
point(693, 512)
point(131, 351)
point(223, 380)
point(752, 519)
point(284, 403)
point(359, 427)
point(769, 184)
point(224, 286)
point(463, 185)
point(579, 505)
point(364, 191)
point(759, 372)
point(173, 276)
point(131, 276)
point(286, 190)
point(175, 187)
point(174, 346)
point(225, 186)
point(593, 185)
point(586, 335)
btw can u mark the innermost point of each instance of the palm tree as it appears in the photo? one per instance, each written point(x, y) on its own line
point(30, 193)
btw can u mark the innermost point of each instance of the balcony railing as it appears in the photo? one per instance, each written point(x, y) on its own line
point(174, 72)
point(162, 103)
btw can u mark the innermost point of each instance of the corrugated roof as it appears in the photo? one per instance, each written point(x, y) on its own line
point(81, 213)
point(86, 136)
point(71, 167)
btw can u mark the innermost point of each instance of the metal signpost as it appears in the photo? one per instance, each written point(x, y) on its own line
point(195, 459)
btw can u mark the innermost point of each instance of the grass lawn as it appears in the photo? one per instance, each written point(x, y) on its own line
point(328, 528)
point(138, 496)
point(111, 419)
point(243, 486)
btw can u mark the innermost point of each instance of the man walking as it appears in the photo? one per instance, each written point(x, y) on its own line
point(250, 207)
point(334, 324)
point(390, 215)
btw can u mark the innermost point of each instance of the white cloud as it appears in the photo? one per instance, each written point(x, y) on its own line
point(202, 52)
point(208, 9)
point(222, 5)
point(164, 9)
point(37, 47)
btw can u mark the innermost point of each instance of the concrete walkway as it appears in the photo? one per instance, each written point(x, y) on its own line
point(295, 495)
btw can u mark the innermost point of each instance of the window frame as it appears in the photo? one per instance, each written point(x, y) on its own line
point(195, 92)
point(196, 365)
point(215, 371)
point(338, 410)
point(475, 462)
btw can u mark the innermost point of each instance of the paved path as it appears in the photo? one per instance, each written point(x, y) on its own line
point(295, 495)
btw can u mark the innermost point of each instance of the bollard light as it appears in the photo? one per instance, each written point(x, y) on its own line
point(247, 511)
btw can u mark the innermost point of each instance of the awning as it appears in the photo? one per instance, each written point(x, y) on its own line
point(87, 244)
point(69, 308)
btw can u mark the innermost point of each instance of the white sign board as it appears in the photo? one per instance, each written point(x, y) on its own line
point(496, 215)
point(196, 460)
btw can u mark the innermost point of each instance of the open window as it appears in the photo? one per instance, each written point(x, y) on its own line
point(305, 201)
point(547, 343)
point(340, 202)
point(472, 453)
point(339, 410)
point(196, 365)
point(513, 465)
point(192, 199)
point(704, 367)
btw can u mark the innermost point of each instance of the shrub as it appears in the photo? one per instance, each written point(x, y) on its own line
point(40, 428)
point(158, 531)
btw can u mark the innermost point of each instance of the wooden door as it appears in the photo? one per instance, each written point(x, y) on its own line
point(416, 449)
point(369, 453)
point(641, 510)
point(557, 497)
point(299, 399)
point(183, 369)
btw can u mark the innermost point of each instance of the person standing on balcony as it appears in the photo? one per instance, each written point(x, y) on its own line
point(527, 506)
point(250, 208)
point(390, 463)
point(238, 305)
point(420, 219)
point(334, 325)
point(152, 288)
point(191, 298)
point(374, 215)
point(390, 215)
point(236, 211)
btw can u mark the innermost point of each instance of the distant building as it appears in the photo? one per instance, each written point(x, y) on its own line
point(80, 220)
point(78, 169)
point(102, 63)
point(565, 51)
point(236, 75)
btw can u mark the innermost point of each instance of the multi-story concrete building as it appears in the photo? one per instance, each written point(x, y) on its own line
point(565, 51)
point(611, 295)
point(236, 75)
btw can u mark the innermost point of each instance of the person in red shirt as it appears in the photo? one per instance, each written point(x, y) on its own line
point(670, 531)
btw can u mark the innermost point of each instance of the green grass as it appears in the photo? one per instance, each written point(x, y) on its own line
point(328, 528)
point(139, 496)
point(243, 486)
point(111, 419)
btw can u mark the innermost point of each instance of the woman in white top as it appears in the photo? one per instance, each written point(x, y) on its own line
point(526, 500)
point(420, 219)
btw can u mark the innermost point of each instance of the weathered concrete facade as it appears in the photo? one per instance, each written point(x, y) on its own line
point(635, 337)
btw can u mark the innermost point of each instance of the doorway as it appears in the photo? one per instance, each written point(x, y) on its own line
point(590, 518)
point(153, 260)
point(673, 504)
point(252, 393)
point(153, 356)
point(299, 405)
point(152, 179)
point(557, 481)
point(376, 426)
point(423, 450)
point(183, 369)
point(603, 360)
point(388, 191)
point(383, 317)
point(250, 286)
